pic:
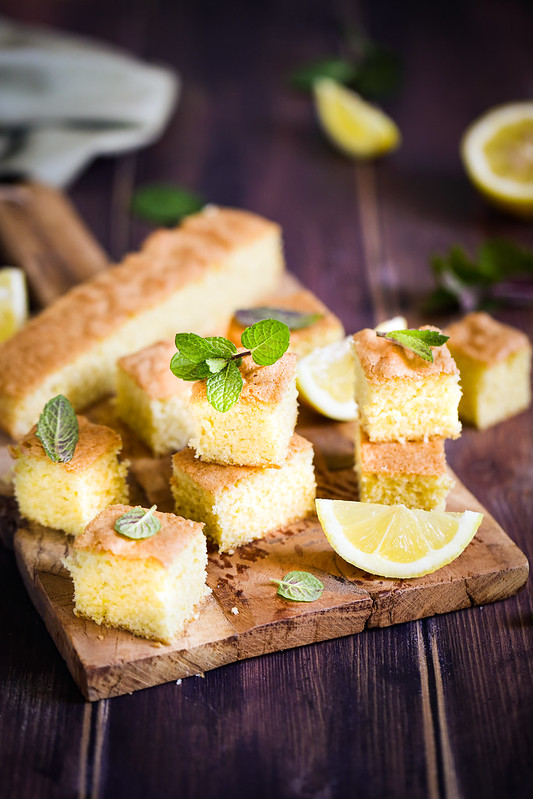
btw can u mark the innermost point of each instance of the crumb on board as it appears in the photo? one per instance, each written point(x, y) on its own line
point(235, 611)
point(179, 682)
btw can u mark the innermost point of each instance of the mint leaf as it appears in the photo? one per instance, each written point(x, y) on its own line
point(165, 204)
point(379, 74)
point(193, 347)
point(295, 320)
point(216, 364)
point(267, 341)
point(58, 429)
point(188, 370)
point(138, 523)
point(224, 388)
point(419, 341)
point(299, 587)
point(338, 69)
point(221, 347)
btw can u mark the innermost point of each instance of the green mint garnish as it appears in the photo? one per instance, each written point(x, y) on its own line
point(267, 341)
point(58, 429)
point(216, 360)
point(138, 523)
point(419, 341)
point(299, 587)
point(338, 69)
point(295, 320)
point(165, 204)
point(494, 277)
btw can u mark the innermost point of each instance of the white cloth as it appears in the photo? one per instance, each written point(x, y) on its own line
point(65, 99)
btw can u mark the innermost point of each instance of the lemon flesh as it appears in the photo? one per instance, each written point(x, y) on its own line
point(326, 380)
point(497, 152)
point(394, 541)
point(356, 127)
point(13, 301)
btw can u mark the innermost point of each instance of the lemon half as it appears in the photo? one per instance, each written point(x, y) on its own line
point(392, 540)
point(497, 152)
point(326, 380)
point(356, 127)
point(13, 301)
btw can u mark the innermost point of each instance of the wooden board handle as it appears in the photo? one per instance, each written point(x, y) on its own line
point(41, 232)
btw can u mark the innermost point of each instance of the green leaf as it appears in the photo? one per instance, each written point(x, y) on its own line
point(419, 341)
point(58, 429)
point(216, 364)
point(188, 370)
point(138, 523)
point(499, 259)
point(165, 204)
point(193, 347)
point(299, 587)
point(379, 74)
point(267, 340)
point(338, 69)
point(224, 388)
point(221, 347)
point(295, 320)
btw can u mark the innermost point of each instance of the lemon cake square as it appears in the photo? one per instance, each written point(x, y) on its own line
point(257, 430)
point(241, 503)
point(67, 496)
point(152, 401)
point(401, 396)
point(151, 587)
point(191, 278)
point(326, 330)
point(411, 474)
point(495, 365)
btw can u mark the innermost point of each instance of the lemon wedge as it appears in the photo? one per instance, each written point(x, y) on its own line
point(356, 127)
point(497, 152)
point(326, 380)
point(13, 301)
point(396, 323)
point(393, 541)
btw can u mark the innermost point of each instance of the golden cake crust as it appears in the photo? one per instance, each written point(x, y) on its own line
point(94, 441)
point(98, 307)
point(263, 385)
point(173, 537)
point(482, 338)
point(413, 457)
point(303, 301)
point(383, 360)
point(214, 477)
point(150, 369)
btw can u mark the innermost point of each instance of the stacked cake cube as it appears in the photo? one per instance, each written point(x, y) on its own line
point(246, 472)
point(407, 407)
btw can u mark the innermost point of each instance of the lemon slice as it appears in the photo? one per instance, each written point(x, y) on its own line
point(13, 301)
point(393, 541)
point(396, 323)
point(326, 380)
point(357, 128)
point(497, 152)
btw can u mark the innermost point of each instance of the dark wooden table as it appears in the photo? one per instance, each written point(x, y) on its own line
point(440, 707)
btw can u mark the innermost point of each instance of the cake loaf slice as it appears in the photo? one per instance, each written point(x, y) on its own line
point(188, 279)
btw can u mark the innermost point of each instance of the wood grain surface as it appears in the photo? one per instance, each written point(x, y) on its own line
point(439, 707)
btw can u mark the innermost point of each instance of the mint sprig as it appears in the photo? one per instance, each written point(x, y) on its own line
point(419, 341)
point(217, 361)
point(295, 320)
point(165, 204)
point(138, 523)
point(299, 587)
point(58, 429)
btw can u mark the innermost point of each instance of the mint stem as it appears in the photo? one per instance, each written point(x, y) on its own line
point(240, 355)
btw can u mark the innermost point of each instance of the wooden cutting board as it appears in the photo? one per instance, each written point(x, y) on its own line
point(244, 617)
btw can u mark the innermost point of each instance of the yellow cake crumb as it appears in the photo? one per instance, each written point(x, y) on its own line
point(393, 473)
point(257, 430)
point(325, 330)
point(152, 401)
point(401, 396)
point(150, 587)
point(495, 365)
point(241, 503)
point(67, 496)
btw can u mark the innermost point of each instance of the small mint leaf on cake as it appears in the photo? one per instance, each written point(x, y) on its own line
point(58, 429)
point(165, 204)
point(295, 320)
point(419, 341)
point(195, 348)
point(267, 341)
point(299, 587)
point(216, 364)
point(224, 388)
point(221, 347)
point(188, 370)
point(138, 523)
